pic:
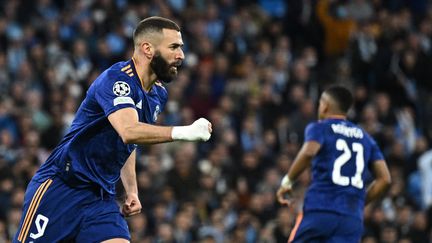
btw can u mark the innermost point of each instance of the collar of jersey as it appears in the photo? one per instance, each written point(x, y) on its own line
point(336, 117)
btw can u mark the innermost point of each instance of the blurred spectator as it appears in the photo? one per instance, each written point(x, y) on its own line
point(425, 169)
point(214, 227)
point(364, 49)
point(164, 233)
point(183, 231)
point(338, 26)
point(284, 224)
point(388, 233)
point(184, 177)
point(139, 228)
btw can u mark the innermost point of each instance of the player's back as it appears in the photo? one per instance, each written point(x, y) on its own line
point(341, 167)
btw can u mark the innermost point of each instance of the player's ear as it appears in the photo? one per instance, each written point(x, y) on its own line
point(148, 49)
point(325, 106)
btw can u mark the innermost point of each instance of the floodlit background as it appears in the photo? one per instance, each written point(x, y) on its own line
point(255, 70)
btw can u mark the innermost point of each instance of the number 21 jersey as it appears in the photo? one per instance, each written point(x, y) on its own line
point(341, 168)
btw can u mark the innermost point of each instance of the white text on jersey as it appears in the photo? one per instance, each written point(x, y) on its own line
point(352, 132)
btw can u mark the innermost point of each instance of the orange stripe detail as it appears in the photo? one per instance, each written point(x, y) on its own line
point(131, 75)
point(128, 71)
point(158, 83)
point(133, 60)
point(296, 226)
point(48, 183)
point(25, 221)
point(30, 211)
point(128, 66)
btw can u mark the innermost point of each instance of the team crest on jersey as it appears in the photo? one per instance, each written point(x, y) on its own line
point(121, 88)
point(156, 113)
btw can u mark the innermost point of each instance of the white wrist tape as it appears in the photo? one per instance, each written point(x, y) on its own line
point(286, 182)
point(197, 131)
point(180, 132)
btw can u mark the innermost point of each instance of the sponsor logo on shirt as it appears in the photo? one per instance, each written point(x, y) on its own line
point(156, 113)
point(123, 100)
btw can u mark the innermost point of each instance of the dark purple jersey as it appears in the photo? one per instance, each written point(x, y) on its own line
point(92, 153)
point(341, 167)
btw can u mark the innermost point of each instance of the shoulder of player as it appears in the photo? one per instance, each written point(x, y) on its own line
point(121, 69)
point(367, 135)
point(116, 80)
point(314, 124)
point(118, 73)
point(126, 69)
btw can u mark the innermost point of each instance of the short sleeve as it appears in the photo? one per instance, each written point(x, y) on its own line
point(115, 93)
point(376, 153)
point(314, 132)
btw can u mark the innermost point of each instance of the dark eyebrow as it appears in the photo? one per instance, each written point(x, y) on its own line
point(175, 45)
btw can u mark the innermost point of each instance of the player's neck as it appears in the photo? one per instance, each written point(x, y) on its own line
point(145, 75)
point(336, 116)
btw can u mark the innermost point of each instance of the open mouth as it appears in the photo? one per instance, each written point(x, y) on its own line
point(177, 64)
point(174, 67)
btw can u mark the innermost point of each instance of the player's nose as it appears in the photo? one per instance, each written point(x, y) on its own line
point(180, 55)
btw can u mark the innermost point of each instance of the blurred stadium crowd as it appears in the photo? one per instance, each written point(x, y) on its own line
point(255, 70)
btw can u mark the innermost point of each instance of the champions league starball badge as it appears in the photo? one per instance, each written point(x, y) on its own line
point(121, 88)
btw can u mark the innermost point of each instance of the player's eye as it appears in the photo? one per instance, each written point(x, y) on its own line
point(175, 47)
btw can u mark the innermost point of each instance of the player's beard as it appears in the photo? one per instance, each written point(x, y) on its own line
point(164, 71)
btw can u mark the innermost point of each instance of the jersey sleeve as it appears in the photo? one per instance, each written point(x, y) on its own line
point(314, 132)
point(376, 153)
point(115, 92)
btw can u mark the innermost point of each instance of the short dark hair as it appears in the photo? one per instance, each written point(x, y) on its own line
point(154, 24)
point(342, 96)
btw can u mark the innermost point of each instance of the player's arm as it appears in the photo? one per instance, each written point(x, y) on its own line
point(132, 205)
point(125, 122)
point(128, 175)
point(381, 183)
point(301, 163)
point(303, 159)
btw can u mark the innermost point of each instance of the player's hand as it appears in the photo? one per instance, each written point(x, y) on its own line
point(203, 129)
point(200, 130)
point(132, 205)
point(281, 194)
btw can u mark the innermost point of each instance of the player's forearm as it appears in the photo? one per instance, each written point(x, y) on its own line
point(128, 175)
point(381, 183)
point(377, 189)
point(301, 163)
point(125, 122)
point(142, 133)
point(303, 159)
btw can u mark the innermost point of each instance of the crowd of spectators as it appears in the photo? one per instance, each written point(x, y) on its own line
point(255, 69)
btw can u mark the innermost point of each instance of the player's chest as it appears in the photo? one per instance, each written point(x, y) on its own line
point(148, 106)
